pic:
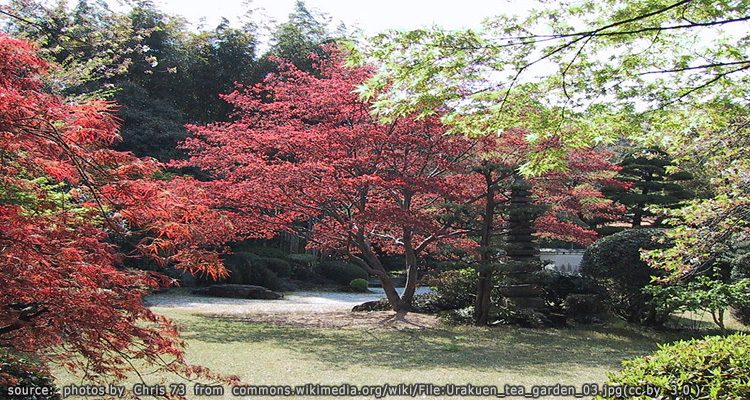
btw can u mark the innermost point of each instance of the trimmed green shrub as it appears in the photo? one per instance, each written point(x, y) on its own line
point(428, 303)
point(269, 252)
point(614, 262)
point(742, 314)
point(262, 276)
point(304, 266)
point(715, 367)
point(421, 303)
point(359, 285)
point(21, 373)
point(741, 264)
point(584, 307)
point(307, 260)
point(278, 266)
point(502, 315)
point(249, 269)
point(461, 316)
point(557, 286)
point(342, 272)
point(455, 289)
point(235, 275)
point(239, 265)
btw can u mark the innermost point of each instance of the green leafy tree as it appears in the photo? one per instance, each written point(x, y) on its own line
point(705, 293)
point(151, 126)
point(594, 64)
point(91, 43)
point(152, 90)
point(606, 70)
point(711, 227)
point(162, 75)
point(131, 57)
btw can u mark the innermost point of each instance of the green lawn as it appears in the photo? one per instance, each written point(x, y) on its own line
point(267, 354)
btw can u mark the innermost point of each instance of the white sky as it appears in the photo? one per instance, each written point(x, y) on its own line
point(370, 16)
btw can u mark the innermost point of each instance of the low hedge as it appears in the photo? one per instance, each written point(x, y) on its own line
point(278, 266)
point(455, 289)
point(712, 368)
point(304, 266)
point(269, 252)
point(342, 272)
point(359, 285)
point(249, 269)
point(558, 286)
point(427, 303)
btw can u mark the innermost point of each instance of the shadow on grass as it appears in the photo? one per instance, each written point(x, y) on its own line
point(702, 323)
point(564, 350)
point(678, 322)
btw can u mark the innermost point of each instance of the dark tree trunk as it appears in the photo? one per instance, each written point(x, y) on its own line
point(411, 286)
point(386, 282)
point(411, 273)
point(483, 300)
point(390, 292)
point(640, 208)
point(371, 263)
point(25, 313)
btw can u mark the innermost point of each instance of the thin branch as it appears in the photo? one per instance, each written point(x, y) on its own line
point(703, 66)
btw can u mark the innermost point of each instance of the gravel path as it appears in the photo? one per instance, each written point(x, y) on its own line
point(293, 302)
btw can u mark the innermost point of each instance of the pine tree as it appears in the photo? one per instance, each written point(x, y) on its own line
point(652, 185)
point(301, 35)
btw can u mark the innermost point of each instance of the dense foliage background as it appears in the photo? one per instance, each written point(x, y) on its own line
point(138, 151)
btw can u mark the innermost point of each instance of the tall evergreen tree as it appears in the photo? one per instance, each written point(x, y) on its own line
point(150, 126)
point(92, 44)
point(161, 75)
point(217, 60)
point(302, 34)
point(652, 185)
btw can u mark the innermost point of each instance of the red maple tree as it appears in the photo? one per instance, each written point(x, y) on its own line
point(569, 195)
point(305, 148)
point(63, 193)
point(563, 198)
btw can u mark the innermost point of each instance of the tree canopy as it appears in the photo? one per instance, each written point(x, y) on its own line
point(672, 73)
point(63, 297)
point(130, 141)
point(652, 185)
point(589, 69)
